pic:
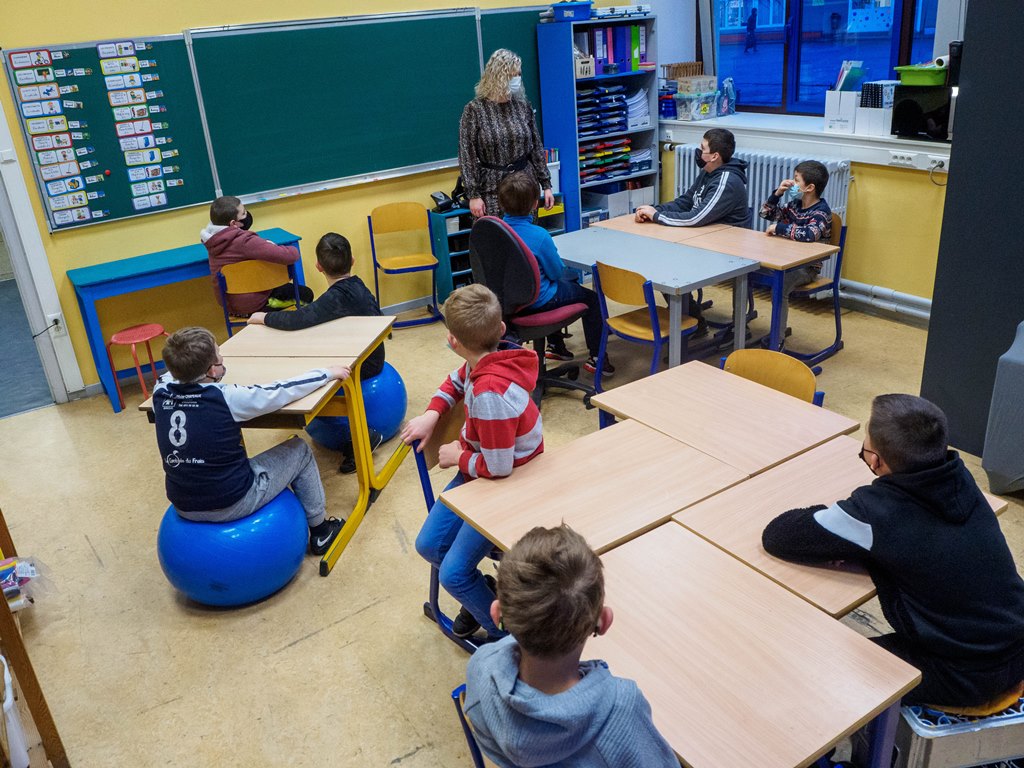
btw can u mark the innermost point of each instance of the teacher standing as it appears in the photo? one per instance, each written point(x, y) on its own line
point(498, 136)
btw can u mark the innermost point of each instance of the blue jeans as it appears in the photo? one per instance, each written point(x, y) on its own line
point(455, 548)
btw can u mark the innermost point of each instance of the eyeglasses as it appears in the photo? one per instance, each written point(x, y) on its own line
point(864, 450)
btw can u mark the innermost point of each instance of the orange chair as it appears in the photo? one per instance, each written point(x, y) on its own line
point(129, 337)
point(400, 242)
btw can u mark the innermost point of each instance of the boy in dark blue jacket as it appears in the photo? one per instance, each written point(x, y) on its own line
point(946, 578)
point(346, 296)
point(518, 196)
point(209, 477)
point(798, 212)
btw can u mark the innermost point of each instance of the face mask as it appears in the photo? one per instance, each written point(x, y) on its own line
point(698, 157)
point(791, 194)
point(515, 85)
point(246, 222)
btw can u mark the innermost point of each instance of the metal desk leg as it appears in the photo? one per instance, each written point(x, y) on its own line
point(93, 332)
point(776, 334)
point(883, 737)
point(739, 312)
point(371, 483)
point(675, 322)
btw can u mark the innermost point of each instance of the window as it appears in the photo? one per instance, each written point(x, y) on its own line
point(784, 54)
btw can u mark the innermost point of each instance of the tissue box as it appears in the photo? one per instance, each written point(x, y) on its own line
point(841, 111)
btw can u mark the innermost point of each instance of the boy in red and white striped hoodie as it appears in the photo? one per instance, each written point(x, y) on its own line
point(502, 431)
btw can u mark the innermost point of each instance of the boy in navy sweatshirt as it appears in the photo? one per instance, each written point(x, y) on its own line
point(946, 579)
point(209, 477)
point(346, 296)
point(529, 697)
point(798, 212)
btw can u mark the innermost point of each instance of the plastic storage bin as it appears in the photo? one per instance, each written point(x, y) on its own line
point(575, 11)
point(915, 75)
point(697, 106)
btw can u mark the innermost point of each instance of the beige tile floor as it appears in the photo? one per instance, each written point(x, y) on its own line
point(343, 670)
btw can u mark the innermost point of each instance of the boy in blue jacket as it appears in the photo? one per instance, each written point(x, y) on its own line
point(946, 578)
point(518, 196)
point(529, 697)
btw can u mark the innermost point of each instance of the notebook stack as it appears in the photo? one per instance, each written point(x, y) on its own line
point(638, 110)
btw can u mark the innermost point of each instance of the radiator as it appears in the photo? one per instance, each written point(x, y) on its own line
point(764, 172)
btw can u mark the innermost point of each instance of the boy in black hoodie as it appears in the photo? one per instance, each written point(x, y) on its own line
point(946, 579)
point(346, 296)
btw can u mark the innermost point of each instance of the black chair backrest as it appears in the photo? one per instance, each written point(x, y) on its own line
point(501, 261)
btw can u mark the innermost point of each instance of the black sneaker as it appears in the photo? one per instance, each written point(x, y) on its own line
point(560, 353)
point(702, 329)
point(591, 366)
point(348, 462)
point(465, 625)
point(321, 537)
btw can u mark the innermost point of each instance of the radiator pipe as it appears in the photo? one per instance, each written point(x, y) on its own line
point(886, 298)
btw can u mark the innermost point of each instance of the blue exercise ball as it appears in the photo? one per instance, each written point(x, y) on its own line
point(238, 562)
point(385, 399)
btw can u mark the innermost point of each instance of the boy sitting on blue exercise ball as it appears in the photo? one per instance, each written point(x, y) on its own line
point(209, 477)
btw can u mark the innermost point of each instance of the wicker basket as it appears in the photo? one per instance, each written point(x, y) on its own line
point(682, 69)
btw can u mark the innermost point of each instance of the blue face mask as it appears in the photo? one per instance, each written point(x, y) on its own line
point(791, 194)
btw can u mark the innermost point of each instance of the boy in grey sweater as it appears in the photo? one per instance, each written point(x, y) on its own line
point(531, 701)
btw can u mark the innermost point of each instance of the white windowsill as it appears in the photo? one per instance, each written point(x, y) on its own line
point(802, 135)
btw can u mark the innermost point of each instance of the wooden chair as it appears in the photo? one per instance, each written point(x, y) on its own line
point(253, 276)
point(14, 650)
point(776, 370)
point(398, 232)
point(826, 284)
point(459, 699)
point(641, 326)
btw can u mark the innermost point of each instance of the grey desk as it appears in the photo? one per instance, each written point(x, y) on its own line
point(673, 268)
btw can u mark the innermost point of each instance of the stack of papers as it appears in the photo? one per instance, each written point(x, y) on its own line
point(638, 109)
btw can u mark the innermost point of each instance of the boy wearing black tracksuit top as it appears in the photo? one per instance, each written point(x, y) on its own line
point(209, 477)
point(717, 196)
point(946, 578)
point(346, 296)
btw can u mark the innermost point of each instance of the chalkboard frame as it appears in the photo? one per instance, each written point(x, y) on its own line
point(9, 74)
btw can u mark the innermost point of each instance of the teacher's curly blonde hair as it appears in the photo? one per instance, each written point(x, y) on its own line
point(501, 68)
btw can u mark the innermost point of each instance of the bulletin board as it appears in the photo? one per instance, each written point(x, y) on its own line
point(113, 129)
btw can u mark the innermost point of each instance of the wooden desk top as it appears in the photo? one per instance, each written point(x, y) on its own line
point(738, 671)
point(734, 519)
point(772, 252)
point(346, 337)
point(257, 370)
point(610, 486)
point(735, 420)
point(650, 229)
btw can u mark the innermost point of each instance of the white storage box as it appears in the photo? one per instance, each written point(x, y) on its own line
point(616, 203)
point(841, 111)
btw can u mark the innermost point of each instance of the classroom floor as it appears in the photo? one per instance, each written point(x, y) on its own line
point(342, 670)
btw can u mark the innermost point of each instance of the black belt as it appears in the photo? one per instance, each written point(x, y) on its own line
point(515, 165)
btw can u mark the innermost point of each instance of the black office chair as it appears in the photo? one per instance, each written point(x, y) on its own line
point(501, 261)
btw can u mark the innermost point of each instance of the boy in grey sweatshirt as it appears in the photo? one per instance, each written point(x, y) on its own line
point(531, 701)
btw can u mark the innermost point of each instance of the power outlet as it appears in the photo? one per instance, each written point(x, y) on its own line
point(56, 323)
point(902, 159)
point(937, 163)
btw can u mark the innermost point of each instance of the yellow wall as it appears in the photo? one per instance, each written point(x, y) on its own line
point(893, 224)
point(342, 210)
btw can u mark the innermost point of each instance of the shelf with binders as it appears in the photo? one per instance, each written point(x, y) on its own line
point(599, 123)
point(449, 235)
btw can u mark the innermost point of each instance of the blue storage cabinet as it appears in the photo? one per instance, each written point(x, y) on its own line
point(558, 90)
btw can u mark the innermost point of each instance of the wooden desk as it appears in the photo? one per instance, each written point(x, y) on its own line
point(735, 420)
point(114, 278)
point(675, 269)
point(263, 370)
point(657, 231)
point(345, 337)
point(610, 486)
point(739, 671)
point(734, 519)
point(777, 255)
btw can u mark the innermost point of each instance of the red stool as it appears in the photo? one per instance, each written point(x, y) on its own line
point(129, 337)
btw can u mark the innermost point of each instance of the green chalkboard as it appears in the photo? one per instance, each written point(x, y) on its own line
point(295, 104)
point(113, 128)
point(515, 29)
